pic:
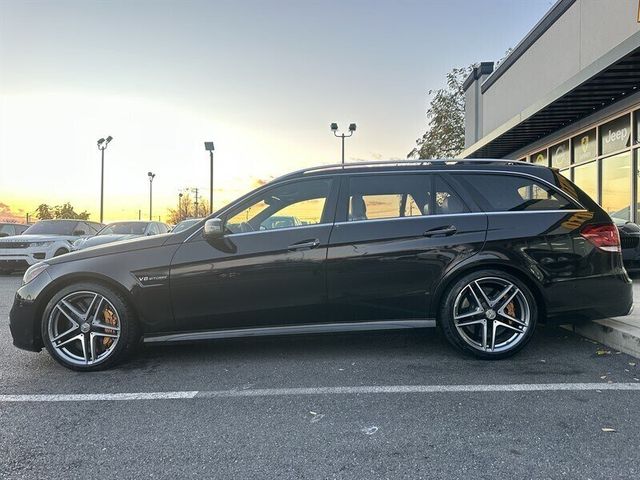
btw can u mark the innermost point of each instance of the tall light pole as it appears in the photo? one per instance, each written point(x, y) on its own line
point(151, 176)
point(209, 147)
point(102, 146)
point(180, 206)
point(334, 129)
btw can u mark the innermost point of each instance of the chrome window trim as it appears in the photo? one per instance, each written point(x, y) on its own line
point(424, 171)
point(506, 212)
point(284, 229)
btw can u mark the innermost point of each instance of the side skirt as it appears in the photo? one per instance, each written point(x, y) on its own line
point(289, 330)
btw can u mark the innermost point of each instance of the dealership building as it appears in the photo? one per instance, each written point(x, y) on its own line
point(568, 96)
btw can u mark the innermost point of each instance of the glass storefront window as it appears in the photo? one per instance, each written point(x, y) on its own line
point(615, 135)
point(636, 116)
point(584, 146)
point(540, 157)
point(586, 177)
point(616, 186)
point(560, 155)
point(637, 154)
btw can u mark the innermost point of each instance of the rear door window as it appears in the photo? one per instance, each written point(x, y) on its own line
point(513, 193)
point(375, 197)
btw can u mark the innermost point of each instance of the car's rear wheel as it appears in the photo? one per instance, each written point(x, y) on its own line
point(87, 326)
point(490, 314)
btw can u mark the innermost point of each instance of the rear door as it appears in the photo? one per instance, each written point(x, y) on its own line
point(395, 235)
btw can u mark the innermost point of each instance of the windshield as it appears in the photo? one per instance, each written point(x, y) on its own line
point(52, 227)
point(124, 228)
point(184, 225)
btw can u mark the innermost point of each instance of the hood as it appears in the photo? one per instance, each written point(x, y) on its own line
point(102, 239)
point(38, 238)
point(137, 243)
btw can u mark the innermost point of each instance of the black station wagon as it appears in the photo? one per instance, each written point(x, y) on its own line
point(484, 249)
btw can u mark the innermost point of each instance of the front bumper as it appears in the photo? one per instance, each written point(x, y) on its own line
point(12, 260)
point(24, 317)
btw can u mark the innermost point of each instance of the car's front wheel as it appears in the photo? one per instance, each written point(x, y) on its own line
point(490, 314)
point(87, 326)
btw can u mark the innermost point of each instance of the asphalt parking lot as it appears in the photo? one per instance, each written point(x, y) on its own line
point(384, 405)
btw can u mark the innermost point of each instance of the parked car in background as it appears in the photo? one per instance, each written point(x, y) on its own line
point(117, 231)
point(184, 224)
point(41, 241)
point(471, 245)
point(11, 229)
point(630, 243)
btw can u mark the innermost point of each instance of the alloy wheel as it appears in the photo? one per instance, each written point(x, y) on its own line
point(491, 314)
point(84, 328)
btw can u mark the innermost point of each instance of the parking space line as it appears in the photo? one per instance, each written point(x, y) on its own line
point(275, 392)
point(94, 397)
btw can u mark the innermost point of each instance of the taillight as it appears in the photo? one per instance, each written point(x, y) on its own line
point(605, 236)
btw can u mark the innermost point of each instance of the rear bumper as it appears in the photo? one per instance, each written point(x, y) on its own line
point(591, 298)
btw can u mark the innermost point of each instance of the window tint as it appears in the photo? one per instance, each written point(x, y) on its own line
point(388, 196)
point(292, 205)
point(447, 202)
point(7, 230)
point(395, 196)
point(91, 228)
point(510, 193)
point(82, 229)
point(52, 227)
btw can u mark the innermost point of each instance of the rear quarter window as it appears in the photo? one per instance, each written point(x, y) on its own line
point(512, 193)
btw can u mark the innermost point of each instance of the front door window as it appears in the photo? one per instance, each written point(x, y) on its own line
point(292, 205)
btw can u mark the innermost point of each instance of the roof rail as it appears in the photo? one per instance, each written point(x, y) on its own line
point(396, 163)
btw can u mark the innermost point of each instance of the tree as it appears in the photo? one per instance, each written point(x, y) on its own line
point(444, 137)
point(64, 211)
point(187, 209)
point(43, 212)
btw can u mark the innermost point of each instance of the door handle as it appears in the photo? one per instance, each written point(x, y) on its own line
point(441, 231)
point(305, 245)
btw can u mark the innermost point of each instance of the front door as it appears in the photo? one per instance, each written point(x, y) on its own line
point(269, 268)
point(394, 236)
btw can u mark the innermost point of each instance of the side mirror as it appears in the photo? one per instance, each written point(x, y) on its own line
point(213, 229)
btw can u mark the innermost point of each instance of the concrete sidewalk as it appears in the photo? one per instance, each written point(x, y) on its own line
point(620, 333)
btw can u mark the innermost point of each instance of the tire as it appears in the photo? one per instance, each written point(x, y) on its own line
point(481, 303)
point(60, 251)
point(88, 327)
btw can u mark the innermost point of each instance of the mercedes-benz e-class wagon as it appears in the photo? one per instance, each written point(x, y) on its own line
point(484, 249)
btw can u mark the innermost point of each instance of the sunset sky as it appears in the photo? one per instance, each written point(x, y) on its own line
point(262, 79)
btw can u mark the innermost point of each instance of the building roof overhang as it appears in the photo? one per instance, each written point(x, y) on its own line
point(606, 81)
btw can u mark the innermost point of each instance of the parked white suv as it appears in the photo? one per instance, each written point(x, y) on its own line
point(41, 241)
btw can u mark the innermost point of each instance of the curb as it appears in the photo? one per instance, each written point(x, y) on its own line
point(613, 333)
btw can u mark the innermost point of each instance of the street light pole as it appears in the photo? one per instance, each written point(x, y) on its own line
point(151, 176)
point(334, 129)
point(180, 206)
point(102, 145)
point(210, 148)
